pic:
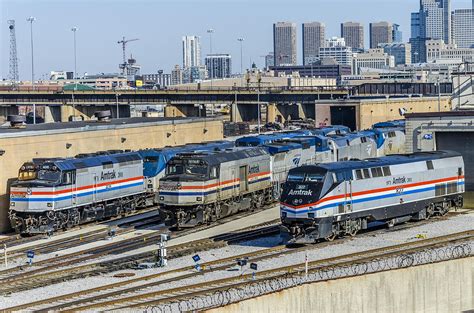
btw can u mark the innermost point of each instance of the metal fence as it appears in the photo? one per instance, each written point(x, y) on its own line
point(253, 289)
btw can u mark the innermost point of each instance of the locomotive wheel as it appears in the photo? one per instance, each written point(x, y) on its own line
point(331, 237)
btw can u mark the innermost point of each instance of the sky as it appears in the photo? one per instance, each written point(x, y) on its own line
point(160, 24)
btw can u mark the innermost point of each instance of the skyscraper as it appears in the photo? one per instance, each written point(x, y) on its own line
point(191, 51)
point(221, 65)
point(463, 28)
point(380, 32)
point(284, 43)
point(435, 19)
point(353, 33)
point(313, 39)
point(397, 33)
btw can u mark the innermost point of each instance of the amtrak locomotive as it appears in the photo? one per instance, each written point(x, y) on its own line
point(328, 200)
point(58, 193)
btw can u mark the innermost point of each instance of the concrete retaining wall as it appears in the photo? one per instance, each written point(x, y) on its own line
point(22, 148)
point(440, 287)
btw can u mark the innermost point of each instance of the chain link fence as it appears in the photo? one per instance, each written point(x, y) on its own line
point(261, 287)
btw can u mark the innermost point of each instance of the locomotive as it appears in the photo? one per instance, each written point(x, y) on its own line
point(328, 200)
point(203, 187)
point(59, 193)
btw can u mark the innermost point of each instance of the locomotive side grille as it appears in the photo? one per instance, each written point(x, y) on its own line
point(440, 190)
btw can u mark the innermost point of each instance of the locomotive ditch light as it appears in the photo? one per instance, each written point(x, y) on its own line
point(198, 198)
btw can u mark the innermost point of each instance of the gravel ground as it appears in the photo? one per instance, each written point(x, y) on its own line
point(362, 242)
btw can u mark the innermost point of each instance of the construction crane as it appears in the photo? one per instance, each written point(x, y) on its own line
point(124, 42)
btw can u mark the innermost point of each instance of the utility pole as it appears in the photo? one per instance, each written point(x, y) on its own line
point(74, 29)
point(241, 40)
point(211, 60)
point(31, 19)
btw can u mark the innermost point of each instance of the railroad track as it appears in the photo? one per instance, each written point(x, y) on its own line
point(95, 296)
point(121, 297)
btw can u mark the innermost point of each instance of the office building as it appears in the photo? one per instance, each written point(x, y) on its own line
point(400, 51)
point(372, 59)
point(439, 52)
point(219, 65)
point(269, 60)
point(335, 48)
point(353, 33)
point(380, 32)
point(176, 76)
point(194, 74)
point(313, 39)
point(432, 21)
point(284, 43)
point(397, 35)
point(463, 28)
point(161, 79)
point(191, 51)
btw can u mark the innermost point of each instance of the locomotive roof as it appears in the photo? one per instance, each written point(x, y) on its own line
point(382, 161)
point(98, 160)
point(218, 157)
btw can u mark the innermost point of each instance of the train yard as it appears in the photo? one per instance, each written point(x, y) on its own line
point(114, 282)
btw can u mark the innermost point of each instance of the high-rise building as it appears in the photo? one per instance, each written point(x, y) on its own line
point(194, 74)
point(439, 52)
point(336, 49)
point(176, 76)
point(191, 51)
point(432, 21)
point(463, 28)
point(313, 39)
point(284, 43)
point(221, 65)
point(397, 35)
point(269, 60)
point(380, 32)
point(435, 19)
point(400, 51)
point(161, 79)
point(353, 33)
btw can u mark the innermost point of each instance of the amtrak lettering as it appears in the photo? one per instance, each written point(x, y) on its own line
point(300, 192)
point(110, 175)
point(254, 169)
point(399, 180)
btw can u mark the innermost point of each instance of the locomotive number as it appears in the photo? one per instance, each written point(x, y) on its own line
point(399, 190)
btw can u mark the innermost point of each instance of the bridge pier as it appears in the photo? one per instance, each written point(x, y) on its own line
point(7, 110)
point(247, 112)
point(183, 110)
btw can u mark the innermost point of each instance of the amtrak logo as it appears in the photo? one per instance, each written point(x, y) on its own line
point(28, 191)
point(296, 161)
point(369, 148)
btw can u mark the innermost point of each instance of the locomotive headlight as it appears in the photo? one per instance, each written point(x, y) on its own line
point(12, 203)
point(162, 198)
point(198, 198)
point(50, 205)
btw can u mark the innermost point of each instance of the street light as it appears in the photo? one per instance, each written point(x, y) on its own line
point(210, 31)
point(241, 40)
point(74, 29)
point(31, 19)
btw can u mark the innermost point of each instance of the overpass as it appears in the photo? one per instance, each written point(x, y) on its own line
point(60, 105)
point(277, 103)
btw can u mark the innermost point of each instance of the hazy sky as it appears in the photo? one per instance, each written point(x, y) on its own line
point(159, 24)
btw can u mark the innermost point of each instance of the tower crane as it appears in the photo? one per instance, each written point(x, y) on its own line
point(124, 42)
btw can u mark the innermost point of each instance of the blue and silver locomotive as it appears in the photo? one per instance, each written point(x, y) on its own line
point(53, 194)
point(328, 200)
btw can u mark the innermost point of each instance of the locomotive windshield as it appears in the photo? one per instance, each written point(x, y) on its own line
point(187, 167)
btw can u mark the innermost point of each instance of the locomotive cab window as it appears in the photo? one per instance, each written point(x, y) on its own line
point(68, 178)
point(213, 174)
point(359, 174)
point(366, 173)
point(429, 165)
point(386, 171)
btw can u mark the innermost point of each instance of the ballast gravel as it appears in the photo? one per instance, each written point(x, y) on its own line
point(362, 242)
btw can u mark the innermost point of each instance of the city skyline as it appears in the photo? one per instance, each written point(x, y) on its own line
point(160, 32)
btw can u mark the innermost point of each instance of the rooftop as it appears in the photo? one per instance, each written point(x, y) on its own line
point(440, 114)
point(93, 125)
